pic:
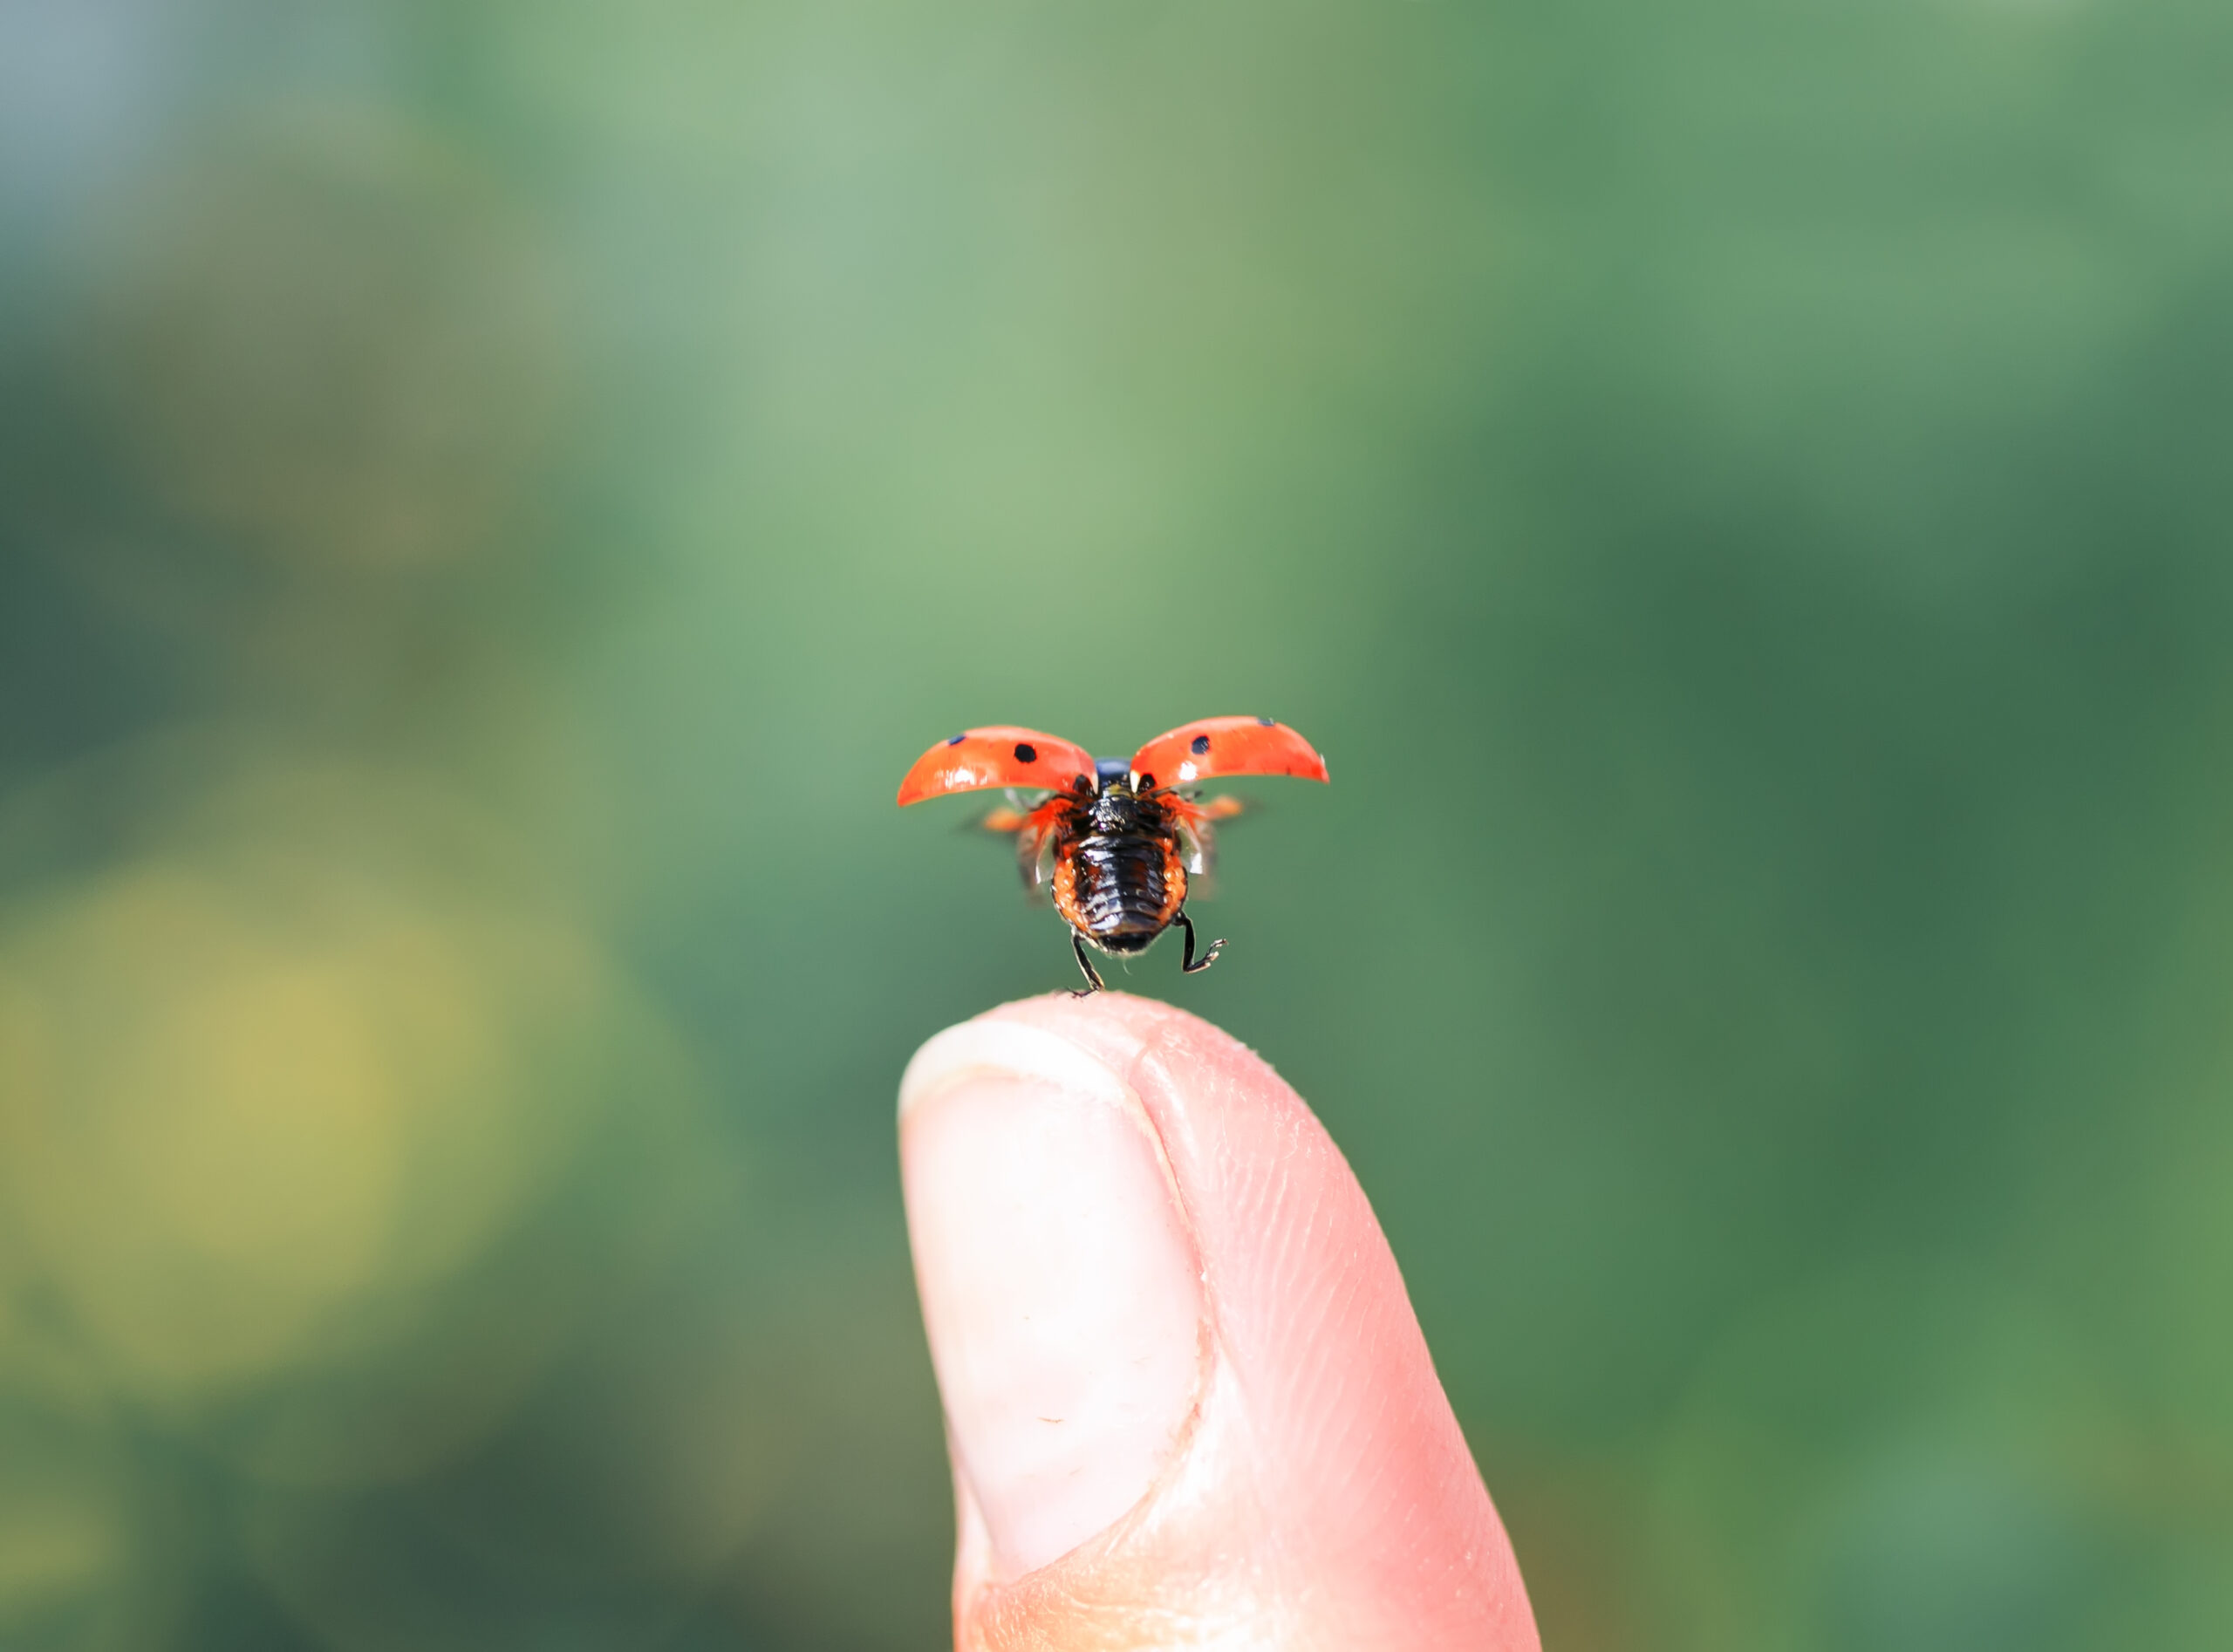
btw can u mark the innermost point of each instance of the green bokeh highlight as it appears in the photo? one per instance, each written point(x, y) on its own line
point(492, 497)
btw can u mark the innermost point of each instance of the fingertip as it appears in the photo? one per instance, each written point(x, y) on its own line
point(992, 1043)
point(1095, 1041)
point(1099, 1014)
point(1318, 1431)
point(1196, 1061)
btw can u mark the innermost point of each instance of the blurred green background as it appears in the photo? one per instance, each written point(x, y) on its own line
point(494, 495)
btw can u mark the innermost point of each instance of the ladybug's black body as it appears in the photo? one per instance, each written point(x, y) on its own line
point(1120, 849)
point(1119, 865)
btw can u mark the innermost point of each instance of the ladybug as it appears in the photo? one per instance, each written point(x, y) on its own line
point(1113, 842)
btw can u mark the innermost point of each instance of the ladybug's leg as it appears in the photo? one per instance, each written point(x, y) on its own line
point(1093, 981)
point(1189, 968)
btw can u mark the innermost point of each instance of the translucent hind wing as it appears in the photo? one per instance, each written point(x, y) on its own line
point(1036, 831)
point(1035, 862)
point(1194, 824)
point(1197, 847)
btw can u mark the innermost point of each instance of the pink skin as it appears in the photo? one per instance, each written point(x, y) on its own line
point(1187, 1400)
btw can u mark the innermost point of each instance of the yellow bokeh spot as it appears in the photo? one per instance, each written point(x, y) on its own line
point(233, 1126)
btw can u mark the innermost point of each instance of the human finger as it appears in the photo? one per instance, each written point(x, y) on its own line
point(1187, 1400)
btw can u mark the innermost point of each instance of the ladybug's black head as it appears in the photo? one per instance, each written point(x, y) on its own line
point(1114, 808)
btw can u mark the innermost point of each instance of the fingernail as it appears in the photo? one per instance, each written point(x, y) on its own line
point(1059, 1286)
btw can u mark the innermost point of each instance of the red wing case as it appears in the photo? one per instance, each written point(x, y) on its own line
point(978, 758)
point(1224, 746)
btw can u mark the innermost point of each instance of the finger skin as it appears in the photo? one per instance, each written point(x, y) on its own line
point(1321, 1495)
